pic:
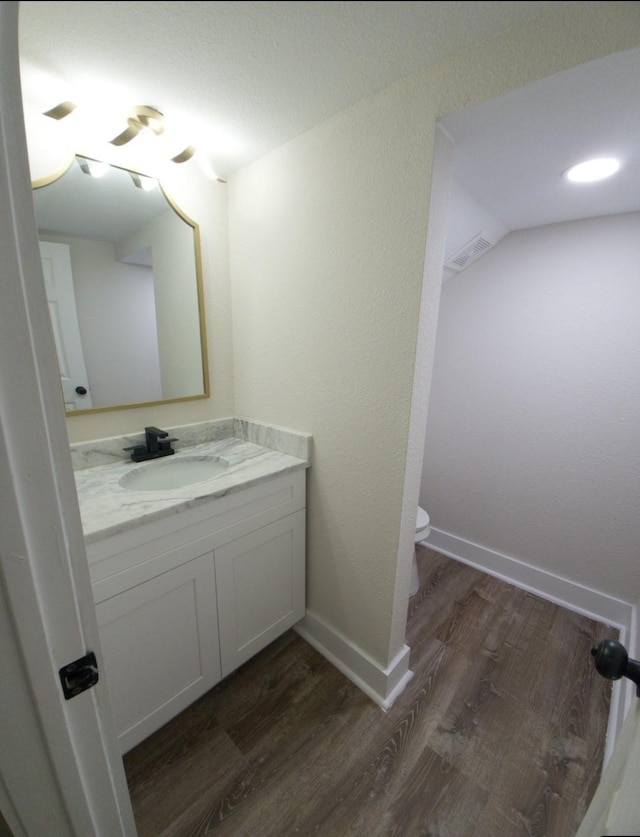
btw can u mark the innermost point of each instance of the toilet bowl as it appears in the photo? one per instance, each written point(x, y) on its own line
point(422, 531)
point(423, 526)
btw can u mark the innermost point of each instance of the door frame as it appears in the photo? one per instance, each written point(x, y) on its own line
point(60, 767)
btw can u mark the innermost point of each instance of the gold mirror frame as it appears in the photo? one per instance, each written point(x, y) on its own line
point(57, 176)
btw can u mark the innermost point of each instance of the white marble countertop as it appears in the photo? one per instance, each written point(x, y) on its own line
point(106, 508)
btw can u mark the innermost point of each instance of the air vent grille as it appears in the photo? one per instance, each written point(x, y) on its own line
point(471, 251)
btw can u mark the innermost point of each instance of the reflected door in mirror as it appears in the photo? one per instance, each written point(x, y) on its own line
point(58, 279)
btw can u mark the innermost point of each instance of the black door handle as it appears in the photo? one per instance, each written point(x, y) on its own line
point(612, 662)
point(81, 390)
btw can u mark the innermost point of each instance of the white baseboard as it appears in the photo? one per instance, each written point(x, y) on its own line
point(383, 686)
point(554, 588)
point(569, 594)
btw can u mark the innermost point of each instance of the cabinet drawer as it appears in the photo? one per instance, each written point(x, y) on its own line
point(208, 524)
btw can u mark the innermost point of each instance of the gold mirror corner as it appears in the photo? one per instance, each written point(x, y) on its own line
point(123, 272)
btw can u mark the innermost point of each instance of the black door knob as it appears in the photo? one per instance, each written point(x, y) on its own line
point(612, 661)
point(81, 390)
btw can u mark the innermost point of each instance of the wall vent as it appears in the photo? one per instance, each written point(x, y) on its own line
point(471, 251)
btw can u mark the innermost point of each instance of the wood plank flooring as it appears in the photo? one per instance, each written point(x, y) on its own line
point(500, 733)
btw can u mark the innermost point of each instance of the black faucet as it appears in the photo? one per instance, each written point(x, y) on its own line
point(156, 444)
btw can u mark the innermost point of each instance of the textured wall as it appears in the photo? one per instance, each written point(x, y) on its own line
point(327, 242)
point(532, 439)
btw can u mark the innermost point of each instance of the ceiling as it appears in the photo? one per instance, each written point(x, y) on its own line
point(511, 152)
point(242, 78)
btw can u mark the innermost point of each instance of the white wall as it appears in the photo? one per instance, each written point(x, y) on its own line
point(325, 272)
point(532, 446)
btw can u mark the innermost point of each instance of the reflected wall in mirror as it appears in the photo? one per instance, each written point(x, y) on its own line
point(123, 274)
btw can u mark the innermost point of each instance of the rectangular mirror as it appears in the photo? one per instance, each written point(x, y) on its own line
point(123, 274)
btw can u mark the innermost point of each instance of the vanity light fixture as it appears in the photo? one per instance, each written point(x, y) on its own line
point(185, 155)
point(61, 110)
point(143, 118)
point(591, 171)
point(147, 184)
point(94, 168)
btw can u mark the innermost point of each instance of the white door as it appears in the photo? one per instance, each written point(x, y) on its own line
point(58, 281)
point(61, 774)
point(615, 807)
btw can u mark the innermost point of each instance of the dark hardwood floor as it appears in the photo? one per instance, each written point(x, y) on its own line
point(500, 733)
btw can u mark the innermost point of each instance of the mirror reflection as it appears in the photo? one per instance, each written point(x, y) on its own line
point(123, 277)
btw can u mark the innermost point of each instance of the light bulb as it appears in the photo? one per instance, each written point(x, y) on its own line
point(591, 170)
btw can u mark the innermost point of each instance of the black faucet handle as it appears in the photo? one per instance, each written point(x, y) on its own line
point(138, 452)
point(152, 436)
point(157, 443)
point(155, 431)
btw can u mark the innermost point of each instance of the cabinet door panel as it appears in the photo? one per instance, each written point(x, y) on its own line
point(260, 583)
point(160, 645)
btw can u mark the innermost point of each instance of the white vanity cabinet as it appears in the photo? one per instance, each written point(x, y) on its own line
point(260, 586)
point(185, 600)
point(159, 642)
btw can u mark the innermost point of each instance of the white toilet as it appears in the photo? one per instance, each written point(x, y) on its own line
point(422, 531)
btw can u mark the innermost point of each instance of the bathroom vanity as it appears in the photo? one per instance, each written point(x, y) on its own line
point(190, 582)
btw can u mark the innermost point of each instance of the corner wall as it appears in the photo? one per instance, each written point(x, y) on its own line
point(532, 435)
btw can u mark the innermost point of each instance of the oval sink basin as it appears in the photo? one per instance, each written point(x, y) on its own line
point(166, 474)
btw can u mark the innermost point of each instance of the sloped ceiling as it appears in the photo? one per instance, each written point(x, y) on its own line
point(512, 151)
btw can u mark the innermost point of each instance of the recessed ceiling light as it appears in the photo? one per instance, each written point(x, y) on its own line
point(592, 170)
